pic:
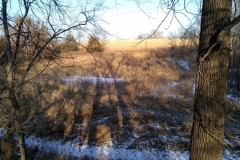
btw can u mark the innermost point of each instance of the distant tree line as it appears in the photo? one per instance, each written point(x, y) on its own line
point(154, 34)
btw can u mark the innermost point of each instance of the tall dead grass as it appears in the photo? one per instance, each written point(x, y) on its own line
point(104, 112)
point(113, 112)
point(136, 45)
point(139, 45)
point(143, 69)
point(146, 71)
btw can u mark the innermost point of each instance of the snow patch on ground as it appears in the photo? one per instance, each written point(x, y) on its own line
point(94, 80)
point(173, 84)
point(183, 64)
point(233, 98)
point(73, 148)
point(2, 132)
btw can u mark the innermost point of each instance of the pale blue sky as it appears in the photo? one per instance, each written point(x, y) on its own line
point(127, 21)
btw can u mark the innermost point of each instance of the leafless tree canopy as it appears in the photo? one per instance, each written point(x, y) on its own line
point(29, 30)
point(26, 19)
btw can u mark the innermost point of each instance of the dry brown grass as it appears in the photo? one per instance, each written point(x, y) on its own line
point(97, 114)
point(133, 45)
point(136, 45)
point(145, 104)
point(102, 113)
point(143, 70)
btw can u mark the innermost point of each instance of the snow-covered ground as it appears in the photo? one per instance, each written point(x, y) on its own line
point(70, 79)
point(74, 149)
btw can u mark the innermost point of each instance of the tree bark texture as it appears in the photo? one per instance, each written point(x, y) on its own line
point(10, 75)
point(207, 137)
point(16, 108)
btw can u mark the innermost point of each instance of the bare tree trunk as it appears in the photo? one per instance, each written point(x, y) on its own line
point(16, 107)
point(20, 134)
point(10, 75)
point(207, 136)
point(8, 144)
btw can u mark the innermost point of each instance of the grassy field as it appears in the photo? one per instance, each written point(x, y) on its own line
point(136, 45)
point(155, 99)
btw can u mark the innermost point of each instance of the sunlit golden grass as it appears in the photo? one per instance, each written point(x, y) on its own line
point(145, 69)
point(102, 113)
point(136, 45)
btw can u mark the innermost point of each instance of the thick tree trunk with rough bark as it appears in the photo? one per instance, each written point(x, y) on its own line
point(207, 137)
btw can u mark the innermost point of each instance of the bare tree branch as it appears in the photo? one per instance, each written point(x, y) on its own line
point(220, 38)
